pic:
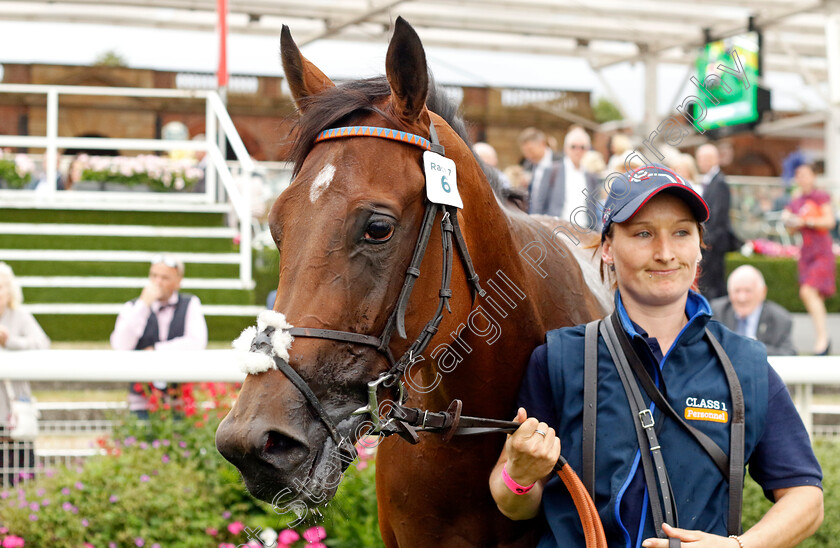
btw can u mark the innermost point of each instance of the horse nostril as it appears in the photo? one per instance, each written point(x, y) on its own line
point(278, 444)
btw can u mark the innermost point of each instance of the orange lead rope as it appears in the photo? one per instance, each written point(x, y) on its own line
point(593, 530)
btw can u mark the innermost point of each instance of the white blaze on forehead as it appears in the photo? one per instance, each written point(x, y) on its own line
point(321, 182)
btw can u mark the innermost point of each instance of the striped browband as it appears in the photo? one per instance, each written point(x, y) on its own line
point(382, 133)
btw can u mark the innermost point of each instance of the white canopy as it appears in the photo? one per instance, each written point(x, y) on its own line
point(800, 37)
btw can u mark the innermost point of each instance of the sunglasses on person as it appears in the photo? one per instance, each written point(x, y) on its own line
point(171, 262)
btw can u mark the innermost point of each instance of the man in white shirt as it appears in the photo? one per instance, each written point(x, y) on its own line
point(160, 319)
point(560, 186)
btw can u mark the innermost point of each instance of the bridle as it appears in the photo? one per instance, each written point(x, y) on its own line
point(450, 231)
point(407, 421)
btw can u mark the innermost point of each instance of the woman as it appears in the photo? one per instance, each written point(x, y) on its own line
point(18, 331)
point(810, 213)
point(651, 242)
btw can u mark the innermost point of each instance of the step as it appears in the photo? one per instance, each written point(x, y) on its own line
point(47, 295)
point(117, 243)
point(91, 255)
point(68, 262)
point(114, 309)
point(64, 229)
point(98, 327)
point(137, 201)
point(174, 217)
point(100, 281)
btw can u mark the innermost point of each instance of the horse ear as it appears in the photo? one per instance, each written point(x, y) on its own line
point(405, 66)
point(305, 79)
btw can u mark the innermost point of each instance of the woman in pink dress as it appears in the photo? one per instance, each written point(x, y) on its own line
point(810, 213)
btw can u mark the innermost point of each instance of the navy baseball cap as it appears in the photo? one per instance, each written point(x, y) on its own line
point(641, 185)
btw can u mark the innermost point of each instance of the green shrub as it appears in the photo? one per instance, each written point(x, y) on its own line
point(828, 453)
point(782, 279)
point(163, 482)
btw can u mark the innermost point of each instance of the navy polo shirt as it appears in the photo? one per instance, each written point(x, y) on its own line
point(782, 458)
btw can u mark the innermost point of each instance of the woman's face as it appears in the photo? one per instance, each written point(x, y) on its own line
point(655, 252)
point(805, 178)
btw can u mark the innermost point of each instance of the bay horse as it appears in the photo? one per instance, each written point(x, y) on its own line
point(345, 229)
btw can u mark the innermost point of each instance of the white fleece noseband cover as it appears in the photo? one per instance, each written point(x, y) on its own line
point(253, 363)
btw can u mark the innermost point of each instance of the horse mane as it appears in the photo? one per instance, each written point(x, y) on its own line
point(340, 105)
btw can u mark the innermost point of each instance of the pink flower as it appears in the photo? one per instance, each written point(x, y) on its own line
point(287, 536)
point(113, 498)
point(79, 485)
point(33, 517)
point(314, 534)
point(236, 527)
point(85, 523)
point(139, 542)
point(13, 542)
point(211, 531)
point(226, 514)
point(226, 545)
point(144, 478)
point(89, 545)
point(164, 459)
point(65, 491)
point(316, 545)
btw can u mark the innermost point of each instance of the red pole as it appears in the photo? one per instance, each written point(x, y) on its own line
point(222, 73)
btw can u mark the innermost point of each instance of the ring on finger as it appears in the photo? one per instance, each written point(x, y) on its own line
point(543, 434)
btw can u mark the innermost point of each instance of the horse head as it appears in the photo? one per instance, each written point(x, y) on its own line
point(345, 230)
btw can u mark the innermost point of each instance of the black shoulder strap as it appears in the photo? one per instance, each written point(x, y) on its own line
point(656, 475)
point(590, 404)
point(736, 439)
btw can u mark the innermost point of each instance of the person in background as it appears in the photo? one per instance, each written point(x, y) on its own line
point(718, 236)
point(74, 172)
point(810, 213)
point(160, 319)
point(538, 161)
point(487, 154)
point(561, 186)
point(685, 166)
point(746, 311)
point(18, 331)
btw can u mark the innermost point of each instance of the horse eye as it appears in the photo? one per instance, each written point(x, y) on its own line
point(379, 231)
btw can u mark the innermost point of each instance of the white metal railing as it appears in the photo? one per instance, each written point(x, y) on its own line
point(800, 372)
point(217, 124)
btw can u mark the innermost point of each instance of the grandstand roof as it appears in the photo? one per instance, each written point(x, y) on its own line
point(604, 32)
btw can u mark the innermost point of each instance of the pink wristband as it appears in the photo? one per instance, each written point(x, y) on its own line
point(512, 485)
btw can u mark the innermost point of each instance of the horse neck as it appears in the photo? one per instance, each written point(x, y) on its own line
point(481, 379)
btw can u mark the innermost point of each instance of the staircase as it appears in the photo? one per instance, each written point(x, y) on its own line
point(79, 262)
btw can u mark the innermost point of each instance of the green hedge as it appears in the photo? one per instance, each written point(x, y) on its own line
point(828, 453)
point(782, 279)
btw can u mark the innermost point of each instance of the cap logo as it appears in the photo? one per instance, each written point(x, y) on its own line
point(645, 173)
point(607, 211)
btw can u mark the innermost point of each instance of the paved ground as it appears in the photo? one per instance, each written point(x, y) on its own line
point(803, 333)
